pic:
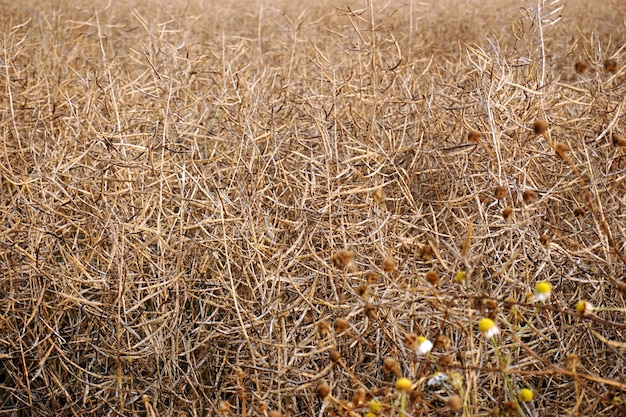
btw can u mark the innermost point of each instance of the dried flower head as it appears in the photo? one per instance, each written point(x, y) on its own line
point(610, 65)
point(343, 258)
point(379, 195)
point(274, 413)
point(529, 196)
point(426, 252)
point(454, 403)
point(507, 213)
point(433, 278)
point(540, 127)
point(335, 356)
point(572, 361)
point(323, 328)
point(358, 398)
point(370, 310)
point(488, 327)
point(323, 390)
point(224, 407)
point(580, 67)
point(340, 325)
point(415, 397)
point(410, 340)
point(562, 149)
point(443, 342)
point(499, 193)
point(525, 395)
point(363, 291)
point(619, 141)
point(579, 212)
point(444, 360)
point(473, 136)
point(403, 384)
point(390, 365)
point(389, 264)
point(544, 240)
point(543, 290)
point(509, 303)
point(371, 278)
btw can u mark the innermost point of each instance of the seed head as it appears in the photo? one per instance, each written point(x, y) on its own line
point(343, 258)
point(544, 240)
point(433, 278)
point(379, 195)
point(499, 193)
point(580, 67)
point(335, 356)
point(540, 127)
point(525, 395)
point(323, 390)
point(610, 65)
point(340, 325)
point(529, 196)
point(473, 136)
point(579, 212)
point(389, 264)
point(274, 413)
point(507, 213)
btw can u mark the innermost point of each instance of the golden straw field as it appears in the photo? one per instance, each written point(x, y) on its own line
point(372, 208)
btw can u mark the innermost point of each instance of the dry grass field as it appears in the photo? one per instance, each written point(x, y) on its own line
point(313, 208)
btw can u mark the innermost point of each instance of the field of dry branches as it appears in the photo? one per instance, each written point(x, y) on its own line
point(289, 208)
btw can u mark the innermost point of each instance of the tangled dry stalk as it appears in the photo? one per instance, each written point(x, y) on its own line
point(215, 209)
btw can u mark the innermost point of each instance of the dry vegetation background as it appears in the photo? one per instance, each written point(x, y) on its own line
point(177, 180)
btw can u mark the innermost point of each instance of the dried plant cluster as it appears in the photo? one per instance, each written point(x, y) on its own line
point(281, 208)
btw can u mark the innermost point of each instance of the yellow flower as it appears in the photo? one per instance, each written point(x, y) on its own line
point(525, 395)
point(374, 407)
point(460, 276)
point(583, 308)
point(488, 327)
point(542, 291)
point(404, 384)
